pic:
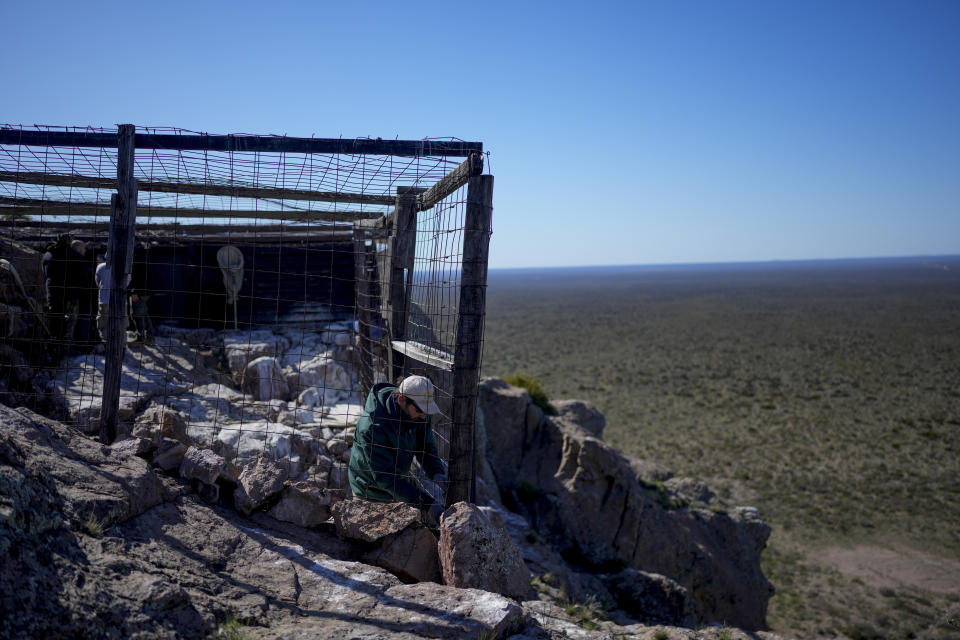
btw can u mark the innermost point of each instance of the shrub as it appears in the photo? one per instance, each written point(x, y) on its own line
point(537, 394)
point(231, 629)
point(94, 526)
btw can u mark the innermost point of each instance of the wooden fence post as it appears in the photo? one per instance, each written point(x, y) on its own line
point(470, 314)
point(366, 297)
point(403, 245)
point(123, 215)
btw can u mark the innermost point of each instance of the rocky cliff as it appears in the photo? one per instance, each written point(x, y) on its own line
point(602, 510)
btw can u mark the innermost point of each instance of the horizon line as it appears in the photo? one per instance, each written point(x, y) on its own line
point(734, 262)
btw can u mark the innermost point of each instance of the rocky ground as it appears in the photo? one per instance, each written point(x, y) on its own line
point(162, 535)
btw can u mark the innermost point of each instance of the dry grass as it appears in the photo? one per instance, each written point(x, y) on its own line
point(827, 396)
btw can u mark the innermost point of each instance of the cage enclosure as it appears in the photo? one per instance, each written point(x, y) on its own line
point(242, 293)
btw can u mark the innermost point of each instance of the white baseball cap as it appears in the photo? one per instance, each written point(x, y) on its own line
point(420, 390)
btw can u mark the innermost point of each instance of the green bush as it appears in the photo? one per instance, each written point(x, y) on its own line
point(537, 394)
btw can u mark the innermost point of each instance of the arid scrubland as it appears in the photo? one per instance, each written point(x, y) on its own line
point(827, 394)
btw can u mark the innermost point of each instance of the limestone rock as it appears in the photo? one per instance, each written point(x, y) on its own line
point(475, 554)
point(323, 373)
point(164, 368)
point(243, 443)
point(303, 504)
point(258, 483)
point(370, 521)
point(201, 464)
point(264, 380)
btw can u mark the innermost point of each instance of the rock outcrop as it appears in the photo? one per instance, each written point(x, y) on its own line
point(392, 535)
point(96, 543)
point(588, 501)
point(475, 553)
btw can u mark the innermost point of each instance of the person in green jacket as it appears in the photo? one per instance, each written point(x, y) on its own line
point(395, 428)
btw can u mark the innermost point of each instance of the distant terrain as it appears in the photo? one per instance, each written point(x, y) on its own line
point(825, 393)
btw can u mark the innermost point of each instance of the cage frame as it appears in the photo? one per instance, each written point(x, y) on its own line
point(396, 229)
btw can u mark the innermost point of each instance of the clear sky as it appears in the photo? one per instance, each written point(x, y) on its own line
point(620, 132)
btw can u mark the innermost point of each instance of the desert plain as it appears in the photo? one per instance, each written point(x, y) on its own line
point(824, 393)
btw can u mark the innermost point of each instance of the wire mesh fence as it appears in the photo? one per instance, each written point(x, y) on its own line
point(271, 283)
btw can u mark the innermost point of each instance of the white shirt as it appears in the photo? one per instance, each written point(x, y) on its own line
point(102, 277)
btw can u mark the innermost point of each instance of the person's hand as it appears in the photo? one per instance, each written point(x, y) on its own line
point(434, 513)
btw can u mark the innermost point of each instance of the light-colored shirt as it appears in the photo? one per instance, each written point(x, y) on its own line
point(102, 277)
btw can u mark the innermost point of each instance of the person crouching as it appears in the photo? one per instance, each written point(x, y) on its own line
point(393, 430)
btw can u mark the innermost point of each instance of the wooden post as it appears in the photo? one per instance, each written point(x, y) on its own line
point(365, 270)
point(470, 314)
point(123, 214)
point(403, 241)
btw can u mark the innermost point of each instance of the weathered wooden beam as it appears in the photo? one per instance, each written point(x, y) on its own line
point(123, 206)
point(267, 232)
point(35, 207)
point(470, 314)
point(403, 243)
point(472, 166)
point(208, 189)
point(424, 354)
point(266, 144)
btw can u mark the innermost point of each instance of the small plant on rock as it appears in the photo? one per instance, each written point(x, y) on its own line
point(94, 526)
point(231, 629)
point(537, 394)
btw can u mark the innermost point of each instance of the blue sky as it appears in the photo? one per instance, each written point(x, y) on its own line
point(620, 132)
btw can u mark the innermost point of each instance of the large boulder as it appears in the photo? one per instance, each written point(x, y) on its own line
point(393, 535)
point(475, 554)
point(183, 569)
point(51, 476)
point(588, 500)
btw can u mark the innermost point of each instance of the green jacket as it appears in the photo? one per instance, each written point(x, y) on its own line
point(384, 445)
